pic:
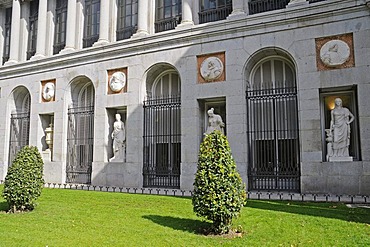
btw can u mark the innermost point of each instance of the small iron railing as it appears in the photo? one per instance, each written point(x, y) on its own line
point(162, 142)
point(89, 41)
point(260, 6)
point(126, 33)
point(167, 24)
point(58, 47)
point(214, 14)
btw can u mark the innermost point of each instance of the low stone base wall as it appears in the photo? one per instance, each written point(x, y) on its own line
point(352, 178)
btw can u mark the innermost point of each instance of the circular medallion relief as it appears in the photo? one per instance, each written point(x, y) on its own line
point(117, 81)
point(211, 68)
point(334, 53)
point(48, 91)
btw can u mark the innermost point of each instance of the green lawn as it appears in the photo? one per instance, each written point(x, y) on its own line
point(86, 218)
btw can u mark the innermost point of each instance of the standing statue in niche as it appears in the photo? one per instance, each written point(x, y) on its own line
point(119, 140)
point(340, 131)
point(214, 122)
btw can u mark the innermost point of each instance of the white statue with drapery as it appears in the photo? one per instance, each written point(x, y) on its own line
point(338, 136)
point(214, 122)
point(119, 140)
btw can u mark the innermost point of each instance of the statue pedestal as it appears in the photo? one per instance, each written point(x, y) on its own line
point(335, 159)
point(46, 155)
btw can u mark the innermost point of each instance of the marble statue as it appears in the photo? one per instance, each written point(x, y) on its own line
point(48, 91)
point(214, 122)
point(339, 132)
point(119, 140)
point(117, 81)
point(211, 68)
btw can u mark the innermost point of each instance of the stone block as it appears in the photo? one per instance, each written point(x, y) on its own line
point(365, 185)
point(313, 184)
point(312, 156)
point(343, 185)
point(309, 169)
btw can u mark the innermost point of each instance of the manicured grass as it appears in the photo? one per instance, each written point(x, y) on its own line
point(83, 218)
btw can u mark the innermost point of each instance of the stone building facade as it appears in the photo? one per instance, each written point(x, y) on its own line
point(271, 69)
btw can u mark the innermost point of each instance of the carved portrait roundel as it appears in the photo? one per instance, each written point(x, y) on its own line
point(48, 91)
point(117, 81)
point(211, 68)
point(334, 53)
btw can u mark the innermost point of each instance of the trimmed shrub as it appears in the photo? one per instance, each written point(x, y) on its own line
point(24, 181)
point(219, 193)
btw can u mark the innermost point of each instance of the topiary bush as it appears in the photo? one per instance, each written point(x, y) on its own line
point(24, 181)
point(219, 193)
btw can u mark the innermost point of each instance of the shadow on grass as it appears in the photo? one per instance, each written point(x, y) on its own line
point(326, 210)
point(4, 207)
point(182, 224)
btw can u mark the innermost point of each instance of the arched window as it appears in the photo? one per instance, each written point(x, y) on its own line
point(273, 126)
point(167, 84)
point(162, 132)
point(273, 72)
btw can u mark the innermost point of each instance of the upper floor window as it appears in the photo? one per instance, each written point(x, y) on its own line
point(167, 15)
point(60, 25)
point(92, 20)
point(8, 24)
point(126, 18)
point(32, 28)
point(214, 10)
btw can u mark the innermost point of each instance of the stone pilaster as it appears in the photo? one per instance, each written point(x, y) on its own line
point(15, 33)
point(104, 23)
point(142, 24)
point(187, 14)
point(41, 30)
point(71, 27)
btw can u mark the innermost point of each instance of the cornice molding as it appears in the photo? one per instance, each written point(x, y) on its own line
point(273, 21)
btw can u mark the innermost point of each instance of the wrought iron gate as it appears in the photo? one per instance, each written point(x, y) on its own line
point(162, 142)
point(273, 140)
point(80, 144)
point(19, 133)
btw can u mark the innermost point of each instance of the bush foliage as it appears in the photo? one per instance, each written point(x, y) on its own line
point(219, 193)
point(24, 181)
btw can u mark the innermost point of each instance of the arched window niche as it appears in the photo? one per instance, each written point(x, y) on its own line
point(273, 134)
point(162, 128)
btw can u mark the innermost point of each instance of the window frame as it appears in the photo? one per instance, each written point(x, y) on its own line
point(164, 22)
point(91, 22)
point(7, 34)
point(124, 29)
point(32, 28)
point(60, 27)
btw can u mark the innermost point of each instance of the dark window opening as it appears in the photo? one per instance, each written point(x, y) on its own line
point(126, 18)
point(92, 22)
point(167, 15)
point(60, 25)
point(32, 28)
point(214, 10)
